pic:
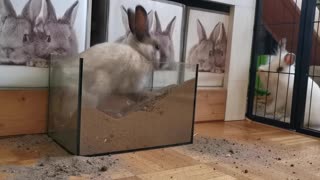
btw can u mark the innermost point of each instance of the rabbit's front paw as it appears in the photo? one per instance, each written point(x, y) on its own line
point(38, 62)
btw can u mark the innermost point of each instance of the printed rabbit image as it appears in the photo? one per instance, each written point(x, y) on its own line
point(55, 35)
point(125, 22)
point(280, 86)
point(16, 33)
point(166, 46)
point(210, 53)
point(121, 68)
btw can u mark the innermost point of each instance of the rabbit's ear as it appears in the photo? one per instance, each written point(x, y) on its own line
point(141, 23)
point(47, 13)
point(138, 22)
point(150, 19)
point(6, 9)
point(125, 21)
point(289, 59)
point(131, 20)
point(283, 44)
point(170, 27)
point(50, 11)
point(201, 31)
point(71, 14)
point(157, 27)
point(31, 10)
point(219, 33)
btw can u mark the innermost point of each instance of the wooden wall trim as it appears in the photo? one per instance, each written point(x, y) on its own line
point(23, 112)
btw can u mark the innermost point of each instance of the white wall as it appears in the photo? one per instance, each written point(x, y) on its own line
point(239, 48)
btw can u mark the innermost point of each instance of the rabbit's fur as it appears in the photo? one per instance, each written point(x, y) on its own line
point(283, 62)
point(125, 23)
point(55, 35)
point(166, 46)
point(16, 33)
point(164, 38)
point(210, 53)
point(120, 68)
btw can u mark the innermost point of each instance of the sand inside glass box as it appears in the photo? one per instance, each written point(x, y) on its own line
point(121, 122)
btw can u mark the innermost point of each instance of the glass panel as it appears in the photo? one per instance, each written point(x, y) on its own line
point(312, 115)
point(118, 115)
point(275, 48)
point(63, 107)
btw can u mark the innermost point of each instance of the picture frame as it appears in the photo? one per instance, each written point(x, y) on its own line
point(32, 72)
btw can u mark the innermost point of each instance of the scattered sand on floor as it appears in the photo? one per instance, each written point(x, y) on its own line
point(257, 158)
point(53, 166)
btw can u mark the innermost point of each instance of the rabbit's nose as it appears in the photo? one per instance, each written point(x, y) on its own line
point(8, 51)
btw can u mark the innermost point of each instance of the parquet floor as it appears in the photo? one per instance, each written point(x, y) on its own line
point(172, 163)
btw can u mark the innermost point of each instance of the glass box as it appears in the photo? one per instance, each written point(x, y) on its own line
point(160, 115)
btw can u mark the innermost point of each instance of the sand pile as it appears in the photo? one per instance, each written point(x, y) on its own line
point(118, 106)
point(163, 118)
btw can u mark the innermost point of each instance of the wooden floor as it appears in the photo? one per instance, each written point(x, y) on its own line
point(300, 160)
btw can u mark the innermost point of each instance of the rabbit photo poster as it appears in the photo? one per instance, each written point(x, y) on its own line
point(165, 21)
point(31, 30)
point(207, 45)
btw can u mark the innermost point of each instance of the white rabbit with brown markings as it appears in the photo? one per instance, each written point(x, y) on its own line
point(278, 75)
point(210, 53)
point(125, 23)
point(16, 33)
point(55, 35)
point(121, 68)
point(166, 46)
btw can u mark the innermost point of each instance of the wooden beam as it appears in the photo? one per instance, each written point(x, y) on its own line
point(211, 105)
point(23, 112)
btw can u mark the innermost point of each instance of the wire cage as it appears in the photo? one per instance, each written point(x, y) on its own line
point(162, 114)
point(284, 78)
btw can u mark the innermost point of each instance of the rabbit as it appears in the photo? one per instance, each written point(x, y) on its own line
point(164, 39)
point(210, 53)
point(124, 16)
point(54, 35)
point(16, 33)
point(120, 68)
point(280, 63)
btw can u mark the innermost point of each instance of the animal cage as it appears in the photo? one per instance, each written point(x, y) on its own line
point(160, 115)
point(284, 76)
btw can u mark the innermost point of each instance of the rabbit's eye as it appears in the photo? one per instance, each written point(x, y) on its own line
point(156, 46)
point(48, 38)
point(25, 38)
point(211, 53)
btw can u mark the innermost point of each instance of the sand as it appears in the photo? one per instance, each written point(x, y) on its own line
point(52, 165)
point(164, 119)
point(259, 157)
point(254, 156)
